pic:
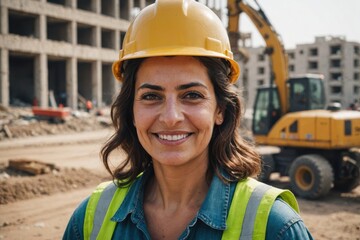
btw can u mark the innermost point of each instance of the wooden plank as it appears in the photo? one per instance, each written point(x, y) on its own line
point(31, 166)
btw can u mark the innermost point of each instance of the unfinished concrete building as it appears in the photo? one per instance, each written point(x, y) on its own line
point(64, 49)
point(334, 57)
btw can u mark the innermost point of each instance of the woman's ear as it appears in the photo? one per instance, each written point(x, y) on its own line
point(219, 118)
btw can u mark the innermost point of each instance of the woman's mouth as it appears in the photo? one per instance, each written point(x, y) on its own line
point(175, 137)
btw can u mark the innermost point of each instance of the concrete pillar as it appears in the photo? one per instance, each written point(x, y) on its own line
point(97, 36)
point(116, 9)
point(73, 32)
point(71, 3)
point(42, 28)
point(117, 40)
point(130, 8)
point(97, 83)
point(41, 80)
point(4, 60)
point(4, 20)
point(71, 83)
point(4, 78)
point(96, 6)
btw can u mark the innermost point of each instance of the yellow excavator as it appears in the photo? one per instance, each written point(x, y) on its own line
point(319, 146)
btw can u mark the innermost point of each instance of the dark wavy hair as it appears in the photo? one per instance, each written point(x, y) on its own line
point(228, 151)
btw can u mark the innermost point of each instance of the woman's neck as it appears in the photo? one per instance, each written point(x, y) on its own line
point(173, 188)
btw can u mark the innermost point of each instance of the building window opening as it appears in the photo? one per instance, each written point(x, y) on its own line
point(336, 90)
point(124, 10)
point(313, 65)
point(85, 35)
point(122, 36)
point(85, 79)
point(356, 50)
point(336, 76)
point(260, 82)
point(335, 63)
point(57, 80)
point(107, 8)
point(261, 57)
point(86, 5)
point(108, 90)
point(291, 55)
point(107, 39)
point(261, 70)
point(356, 63)
point(22, 80)
point(356, 90)
point(313, 52)
point(23, 24)
point(335, 50)
point(57, 29)
point(60, 2)
point(356, 76)
point(292, 68)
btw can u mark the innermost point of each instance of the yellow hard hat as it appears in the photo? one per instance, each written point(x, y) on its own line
point(176, 28)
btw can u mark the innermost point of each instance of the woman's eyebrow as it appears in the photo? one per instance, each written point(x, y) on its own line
point(151, 86)
point(180, 87)
point(190, 85)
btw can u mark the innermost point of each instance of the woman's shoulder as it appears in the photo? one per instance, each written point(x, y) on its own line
point(285, 223)
point(75, 225)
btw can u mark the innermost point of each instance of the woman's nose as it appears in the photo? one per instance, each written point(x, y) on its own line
point(171, 112)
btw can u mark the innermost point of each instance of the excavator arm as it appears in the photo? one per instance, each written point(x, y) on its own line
point(274, 46)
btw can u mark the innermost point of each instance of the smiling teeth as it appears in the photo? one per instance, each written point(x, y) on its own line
point(173, 137)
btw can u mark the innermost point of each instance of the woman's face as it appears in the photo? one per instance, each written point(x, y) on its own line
point(175, 110)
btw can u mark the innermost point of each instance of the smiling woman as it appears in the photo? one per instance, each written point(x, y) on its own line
point(175, 110)
point(188, 173)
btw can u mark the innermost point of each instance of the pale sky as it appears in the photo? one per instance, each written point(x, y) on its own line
point(299, 21)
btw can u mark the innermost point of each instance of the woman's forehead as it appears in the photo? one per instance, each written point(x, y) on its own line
point(171, 70)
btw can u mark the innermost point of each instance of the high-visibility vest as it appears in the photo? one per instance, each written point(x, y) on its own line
point(247, 218)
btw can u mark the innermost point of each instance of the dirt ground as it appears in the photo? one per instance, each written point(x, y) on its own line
point(38, 207)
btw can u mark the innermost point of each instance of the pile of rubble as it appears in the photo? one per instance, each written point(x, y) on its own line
point(23, 186)
point(19, 122)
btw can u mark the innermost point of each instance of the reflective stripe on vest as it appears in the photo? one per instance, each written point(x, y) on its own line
point(250, 209)
point(102, 205)
point(247, 219)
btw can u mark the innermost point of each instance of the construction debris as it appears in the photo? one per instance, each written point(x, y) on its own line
point(7, 131)
point(55, 114)
point(20, 122)
point(32, 166)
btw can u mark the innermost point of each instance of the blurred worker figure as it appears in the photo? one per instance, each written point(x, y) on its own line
point(187, 173)
point(89, 105)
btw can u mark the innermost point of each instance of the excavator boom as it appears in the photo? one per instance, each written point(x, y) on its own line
point(274, 47)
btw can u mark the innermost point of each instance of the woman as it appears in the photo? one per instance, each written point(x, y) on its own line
point(187, 171)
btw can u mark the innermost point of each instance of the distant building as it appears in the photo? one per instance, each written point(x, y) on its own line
point(63, 49)
point(334, 57)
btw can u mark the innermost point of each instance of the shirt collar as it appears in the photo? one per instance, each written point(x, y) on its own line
point(213, 211)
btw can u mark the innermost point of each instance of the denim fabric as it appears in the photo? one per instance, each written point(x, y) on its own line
point(209, 223)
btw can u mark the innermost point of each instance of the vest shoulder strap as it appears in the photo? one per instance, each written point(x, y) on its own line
point(102, 205)
point(247, 218)
point(250, 209)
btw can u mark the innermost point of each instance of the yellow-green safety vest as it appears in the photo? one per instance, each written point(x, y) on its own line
point(247, 219)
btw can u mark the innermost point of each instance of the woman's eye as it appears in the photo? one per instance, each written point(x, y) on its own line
point(150, 97)
point(193, 95)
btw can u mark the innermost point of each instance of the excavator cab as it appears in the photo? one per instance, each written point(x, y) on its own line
point(305, 93)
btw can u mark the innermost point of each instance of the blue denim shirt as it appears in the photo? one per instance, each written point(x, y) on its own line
point(209, 223)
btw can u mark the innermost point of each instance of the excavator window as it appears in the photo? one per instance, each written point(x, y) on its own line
point(306, 94)
point(266, 110)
